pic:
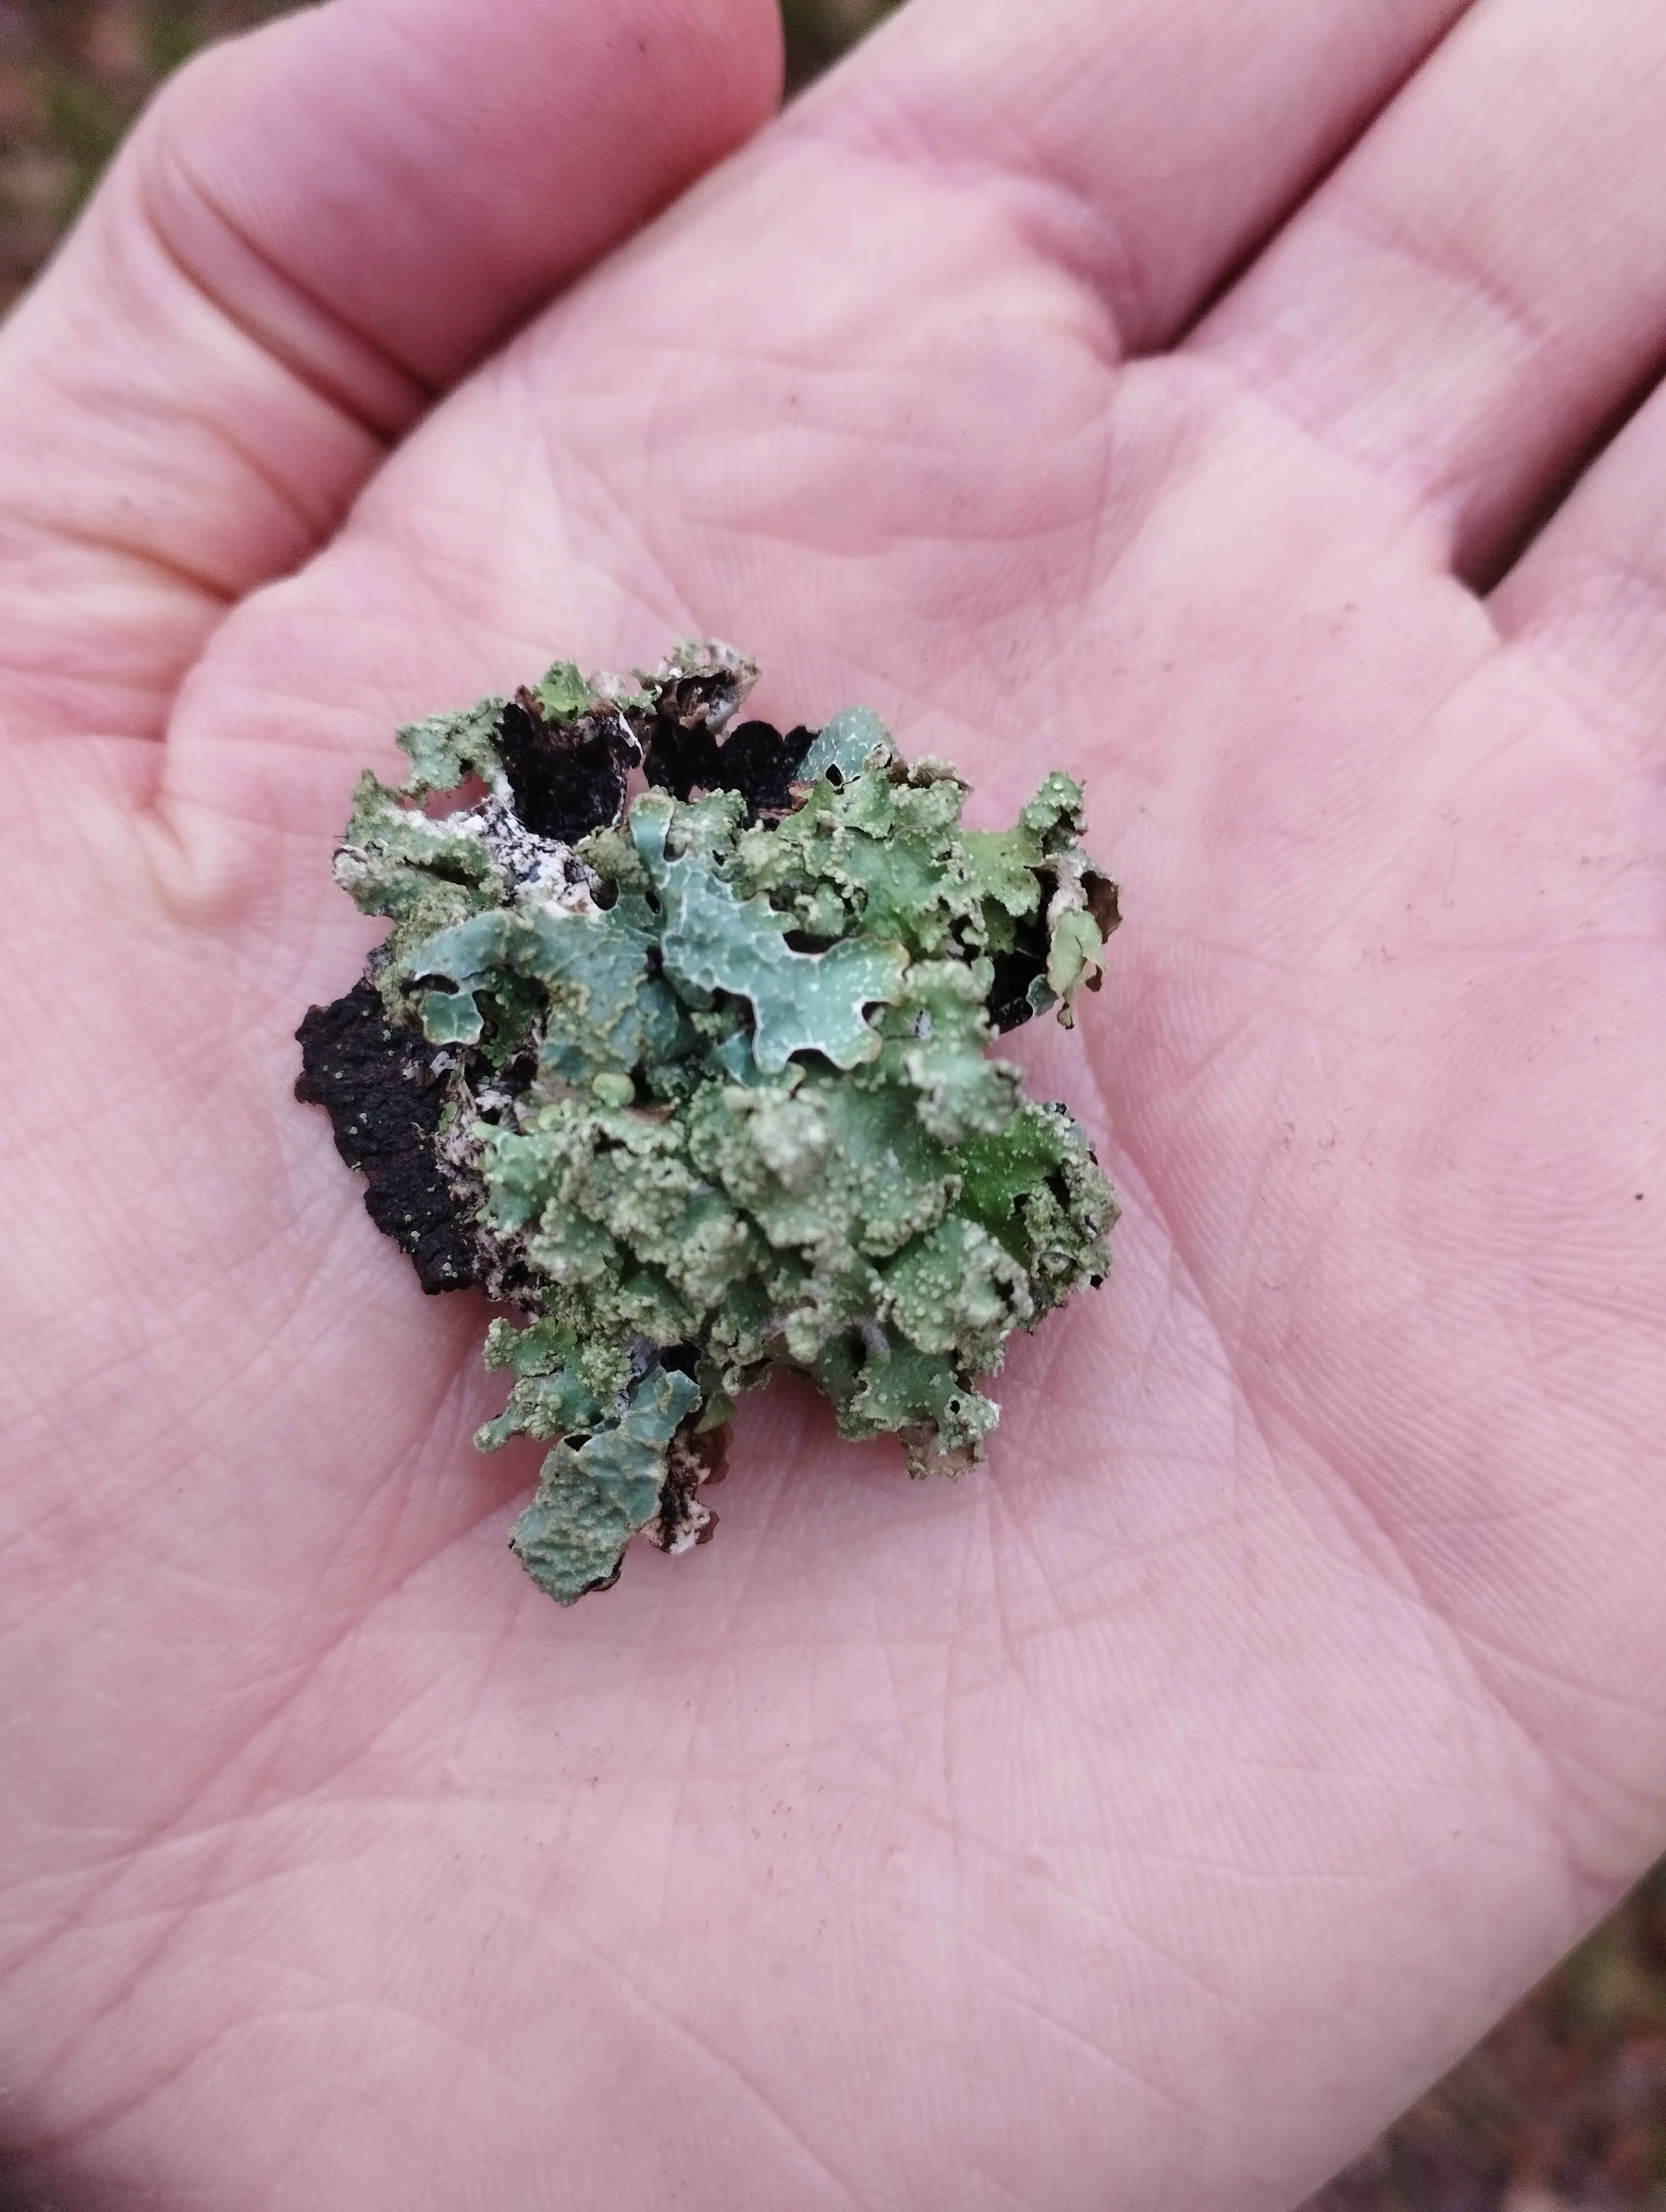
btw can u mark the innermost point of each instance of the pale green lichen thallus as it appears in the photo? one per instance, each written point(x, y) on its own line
point(699, 1084)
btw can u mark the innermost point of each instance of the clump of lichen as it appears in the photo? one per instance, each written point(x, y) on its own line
point(699, 1083)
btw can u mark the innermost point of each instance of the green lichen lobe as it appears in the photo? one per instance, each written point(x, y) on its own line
point(721, 1097)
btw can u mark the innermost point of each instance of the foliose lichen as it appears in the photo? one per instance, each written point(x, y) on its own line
point(698, 1083)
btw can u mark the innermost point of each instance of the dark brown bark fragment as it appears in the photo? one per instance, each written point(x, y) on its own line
point(566, 778)
point(384, 1094)
point(757, 760)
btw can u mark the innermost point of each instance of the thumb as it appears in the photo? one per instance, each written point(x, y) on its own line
point(313, 230)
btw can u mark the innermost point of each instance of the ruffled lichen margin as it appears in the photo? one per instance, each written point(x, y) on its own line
point(698, 1082)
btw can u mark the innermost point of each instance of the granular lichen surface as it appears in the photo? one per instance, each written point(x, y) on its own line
point(698, 1083)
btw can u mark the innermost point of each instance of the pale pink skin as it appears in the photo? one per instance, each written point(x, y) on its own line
point(1138, 1821)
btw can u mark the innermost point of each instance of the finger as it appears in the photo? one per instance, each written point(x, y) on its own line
point(1588, 602)
point(1479, 289)
point(1149, 144)
point(312, 230)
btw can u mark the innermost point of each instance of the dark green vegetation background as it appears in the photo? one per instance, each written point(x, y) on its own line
point(1563, 2109)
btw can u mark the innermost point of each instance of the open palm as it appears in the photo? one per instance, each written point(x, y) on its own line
point(1138, 1820)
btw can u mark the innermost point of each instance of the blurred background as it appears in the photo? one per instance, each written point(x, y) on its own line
point(1563, 2108)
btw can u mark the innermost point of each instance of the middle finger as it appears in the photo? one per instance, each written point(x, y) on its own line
point(1481, 286)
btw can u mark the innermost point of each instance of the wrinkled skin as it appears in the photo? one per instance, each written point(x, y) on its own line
point(1140, 1820)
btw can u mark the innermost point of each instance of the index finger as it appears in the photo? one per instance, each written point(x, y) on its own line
point(1150, 146)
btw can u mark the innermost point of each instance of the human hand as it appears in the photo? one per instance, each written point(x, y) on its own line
point(1142, 1818)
